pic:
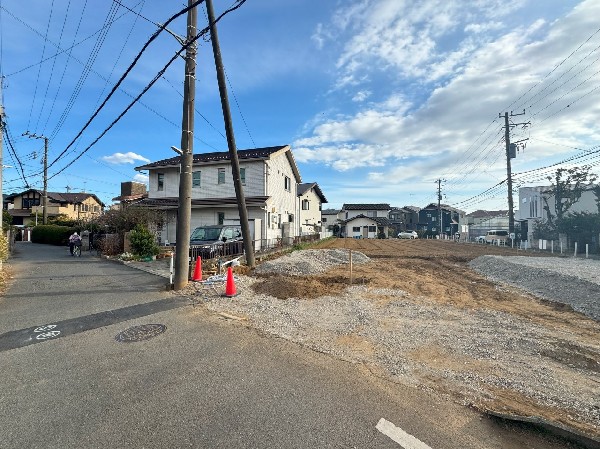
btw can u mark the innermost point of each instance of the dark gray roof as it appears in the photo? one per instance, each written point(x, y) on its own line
point(173, 203)
point(380, 206)
point(223, 156)
point(488, 213)
point(60, 197)
point(330, 211)
point(382, 221)
point(304, 187)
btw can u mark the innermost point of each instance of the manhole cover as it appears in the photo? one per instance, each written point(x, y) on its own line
point(140, 333)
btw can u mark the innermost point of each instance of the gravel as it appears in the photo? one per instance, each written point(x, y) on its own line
point(487, 358)
point(303, 263)
point(575, 282)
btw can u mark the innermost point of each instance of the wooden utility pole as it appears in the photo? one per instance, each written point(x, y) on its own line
point(184, 212)
point(235, 165)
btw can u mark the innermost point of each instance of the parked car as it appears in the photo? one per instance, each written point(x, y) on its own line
point(408, 235)
point(496, 237)
point(209, 242)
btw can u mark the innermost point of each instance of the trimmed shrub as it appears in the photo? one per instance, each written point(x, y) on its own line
point(51, 234)
point(143, 243)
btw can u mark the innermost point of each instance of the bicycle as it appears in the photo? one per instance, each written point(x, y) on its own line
point(77, 250)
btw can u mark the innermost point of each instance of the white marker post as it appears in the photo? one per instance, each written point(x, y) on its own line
point(587, 250)
point(575, 255)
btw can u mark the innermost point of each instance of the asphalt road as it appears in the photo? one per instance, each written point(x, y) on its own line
point(205, 382)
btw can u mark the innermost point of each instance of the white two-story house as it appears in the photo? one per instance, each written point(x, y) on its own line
point(366, 221)
point(269, 178)
point(310, 199)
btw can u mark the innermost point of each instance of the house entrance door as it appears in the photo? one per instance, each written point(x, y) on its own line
point(365, 232)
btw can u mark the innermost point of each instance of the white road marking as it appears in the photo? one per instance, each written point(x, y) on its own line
point(398, 435)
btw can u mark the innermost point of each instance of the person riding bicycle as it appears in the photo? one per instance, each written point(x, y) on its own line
point(74, 240)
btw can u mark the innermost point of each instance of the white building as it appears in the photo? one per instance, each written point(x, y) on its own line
point(532, 202)
point(310, 200)
point(270, 181)
point(366, 220)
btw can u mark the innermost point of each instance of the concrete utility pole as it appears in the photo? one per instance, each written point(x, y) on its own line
point(1, 149)
point(509, 156)
point(235, 165)
point(184, 213)
point(45, 191)
point(439, 182)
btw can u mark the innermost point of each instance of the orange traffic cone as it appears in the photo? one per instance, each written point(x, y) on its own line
point(198, 270)
point(230, 290)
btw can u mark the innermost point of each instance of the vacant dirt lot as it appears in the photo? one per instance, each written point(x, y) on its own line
point(417, 314)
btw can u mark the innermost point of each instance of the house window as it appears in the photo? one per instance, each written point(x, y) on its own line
point(221, 177)
point(220, 217)
point(29, 202)
point(305, 205)
point(356, 229)
point(291, 218)
point(324, 220)
point(96, 208)
point(243, 176)
point(287, 183)
point(371, 213)
point(196, 179)
point(161, 182)
point(372, 229)
point(432, 218)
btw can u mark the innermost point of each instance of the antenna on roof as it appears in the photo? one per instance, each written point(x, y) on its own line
point(68, 189)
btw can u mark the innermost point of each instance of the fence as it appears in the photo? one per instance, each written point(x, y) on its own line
point(232, 249)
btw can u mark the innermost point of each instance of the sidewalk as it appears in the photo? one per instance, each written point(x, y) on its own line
point(159, 267)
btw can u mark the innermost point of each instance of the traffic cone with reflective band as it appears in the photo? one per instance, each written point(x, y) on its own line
point(230, 290)
point(198, 270)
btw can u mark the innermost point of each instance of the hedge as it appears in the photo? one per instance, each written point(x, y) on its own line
point(52, 234)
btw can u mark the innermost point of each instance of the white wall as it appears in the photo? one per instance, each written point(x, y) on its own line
point(361, 223)
point(263, 178)
point(313, 214)
point(282, 202)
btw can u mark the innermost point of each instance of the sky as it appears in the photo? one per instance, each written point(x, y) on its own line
point(378, 99)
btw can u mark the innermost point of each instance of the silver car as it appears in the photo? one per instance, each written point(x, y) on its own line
point(408, 235)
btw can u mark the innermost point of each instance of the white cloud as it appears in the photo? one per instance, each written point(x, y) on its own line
point(361, 95)
point(124, 158)
point(141, 177)
point(478, 28)
point(418, 130)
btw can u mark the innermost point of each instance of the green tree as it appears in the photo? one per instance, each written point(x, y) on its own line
point(121, 221)
point(567, 186)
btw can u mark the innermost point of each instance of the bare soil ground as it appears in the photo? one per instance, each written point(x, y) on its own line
point(435, 274)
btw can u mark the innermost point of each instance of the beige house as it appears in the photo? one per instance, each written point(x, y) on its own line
point(310, 201)
point(26, 207)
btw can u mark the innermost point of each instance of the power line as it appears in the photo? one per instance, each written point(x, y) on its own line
point(239, 3)
point(122, 78)
point(40, 66)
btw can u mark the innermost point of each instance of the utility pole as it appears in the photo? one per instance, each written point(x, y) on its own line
point(439, 183)
point(235, 165)
point(45, 191)
point(1, 149)
point(184, 212)
point(510, 153)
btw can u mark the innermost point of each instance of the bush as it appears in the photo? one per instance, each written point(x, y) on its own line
point(51, 234)
point(4, 251)
point(143, 243)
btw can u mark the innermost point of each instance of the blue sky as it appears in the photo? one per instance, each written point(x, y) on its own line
point(378, 98)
